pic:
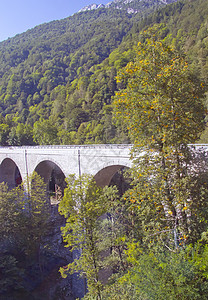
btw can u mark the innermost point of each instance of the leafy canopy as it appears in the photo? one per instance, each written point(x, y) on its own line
point(161, 100)
point(162, 105)
point(83, 205)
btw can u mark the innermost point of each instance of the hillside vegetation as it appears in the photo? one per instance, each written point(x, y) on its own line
point(57, 80)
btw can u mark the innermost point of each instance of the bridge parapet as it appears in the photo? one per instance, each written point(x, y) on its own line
point(90, 146)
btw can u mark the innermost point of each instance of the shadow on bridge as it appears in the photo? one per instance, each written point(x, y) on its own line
point(10, 173)
point(54, 178)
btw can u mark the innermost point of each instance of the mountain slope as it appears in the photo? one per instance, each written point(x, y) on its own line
point(52, 54)
point(59, 77)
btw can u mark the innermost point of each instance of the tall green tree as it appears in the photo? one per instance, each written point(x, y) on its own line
point(13, 240)
point(84, 206)
point(162, 100)
point(38, 212)
point(11, 213)
point(161, 103)
point(24, 222)
point(162, 106)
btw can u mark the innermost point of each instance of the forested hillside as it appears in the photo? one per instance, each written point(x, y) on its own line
point(57, 79)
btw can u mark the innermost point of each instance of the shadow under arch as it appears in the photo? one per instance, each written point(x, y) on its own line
point(10, 173)
point(112, 175)
point(54, 178)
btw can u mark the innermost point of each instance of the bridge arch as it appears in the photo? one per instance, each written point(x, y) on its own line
point(10, 173)
point(53, 177)
point(105, 175)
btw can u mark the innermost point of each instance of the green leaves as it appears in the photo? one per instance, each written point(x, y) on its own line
point(84, 206)
point(163, 108)
point(161, 103)
point(11, 211)
point(45, 132)
point(156, 275)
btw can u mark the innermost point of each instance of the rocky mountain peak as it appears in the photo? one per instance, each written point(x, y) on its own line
point(131, 6)
point(91, 7)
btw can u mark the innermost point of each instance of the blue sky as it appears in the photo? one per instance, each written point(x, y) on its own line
point(17, 16)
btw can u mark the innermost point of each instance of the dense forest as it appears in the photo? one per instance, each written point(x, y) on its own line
point(59, 78)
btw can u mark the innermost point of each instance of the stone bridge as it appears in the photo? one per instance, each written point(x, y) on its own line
point(54, 163)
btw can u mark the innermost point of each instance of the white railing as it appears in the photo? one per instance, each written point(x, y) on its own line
point(90, 146)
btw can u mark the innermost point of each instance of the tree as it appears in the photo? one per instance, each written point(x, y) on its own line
point(161, 104)
point(20, 134)
point(24, 222)
point(12, 213)
point(4, 131)
point(11, 277)
point(38, 212)
point(180, 275)
point(84, 205)
point(45, 132)
point(13, 230)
